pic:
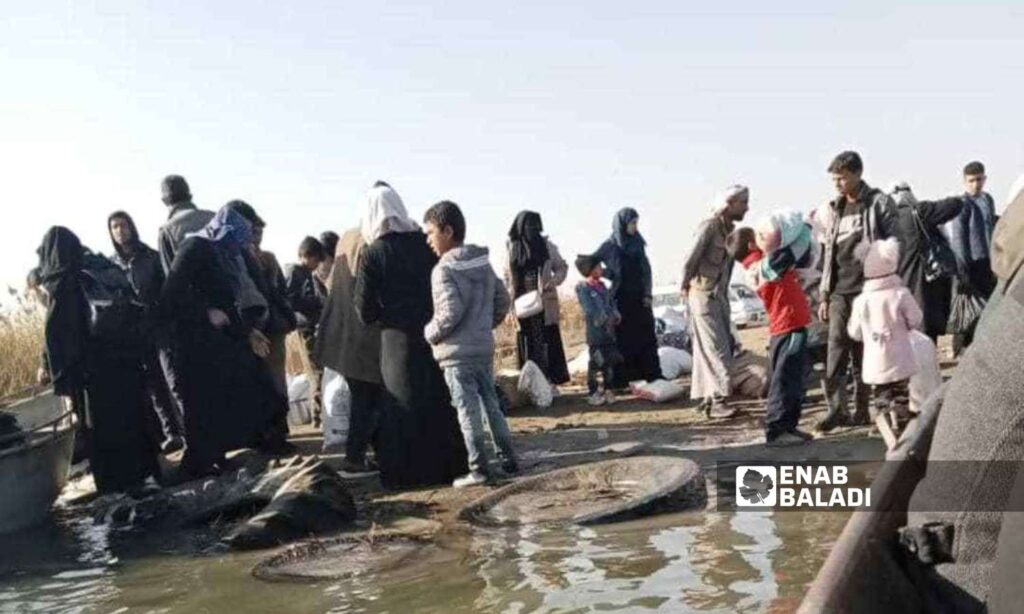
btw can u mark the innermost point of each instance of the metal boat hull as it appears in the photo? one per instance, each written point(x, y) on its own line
point(32, 475)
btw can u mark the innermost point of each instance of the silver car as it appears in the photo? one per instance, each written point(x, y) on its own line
point(745, 307)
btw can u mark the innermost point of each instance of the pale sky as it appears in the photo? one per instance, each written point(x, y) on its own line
point(571, 110)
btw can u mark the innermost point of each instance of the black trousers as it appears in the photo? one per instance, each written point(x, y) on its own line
point(165, 409)
point(364, 418)
point(844, 360)
point(788, 355)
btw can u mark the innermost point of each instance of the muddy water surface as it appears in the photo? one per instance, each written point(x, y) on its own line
point(694, 562)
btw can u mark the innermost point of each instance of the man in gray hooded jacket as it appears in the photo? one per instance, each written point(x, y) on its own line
point(469, 303)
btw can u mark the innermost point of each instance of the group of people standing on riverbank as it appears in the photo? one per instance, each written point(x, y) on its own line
point(188, 340)
point(888, 264)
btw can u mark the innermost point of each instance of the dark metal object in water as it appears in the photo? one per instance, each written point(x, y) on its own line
point(342, 557)
point(595, 493)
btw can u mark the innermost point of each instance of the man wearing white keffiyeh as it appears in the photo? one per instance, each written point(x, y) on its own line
point(705, 286)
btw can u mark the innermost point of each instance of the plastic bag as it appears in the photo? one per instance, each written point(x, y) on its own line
point(300, 400)
point(928, 377)
point(507, 382)
point(750, 376)
point(337, 401)
point(674, 362)
point(581, 363)
point(534, 385)
point(966, 309)
point(659, 391)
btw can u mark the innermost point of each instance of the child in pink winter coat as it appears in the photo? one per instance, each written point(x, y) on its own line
point(882, 317)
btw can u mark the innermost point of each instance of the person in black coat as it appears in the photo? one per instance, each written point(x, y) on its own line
point(230, 398)
point(419, 436)
point(96, 358)
point(142, 265)
point(914, 218)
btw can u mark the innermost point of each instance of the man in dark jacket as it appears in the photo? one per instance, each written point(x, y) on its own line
point(971, 232)
point(305, 291)
point(183, 218)
point(860, 213)
point(141, 264)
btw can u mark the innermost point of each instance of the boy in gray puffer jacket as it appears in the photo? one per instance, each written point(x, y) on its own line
point(469, 303)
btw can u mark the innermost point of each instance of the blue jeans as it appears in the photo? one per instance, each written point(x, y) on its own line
point(474, 396)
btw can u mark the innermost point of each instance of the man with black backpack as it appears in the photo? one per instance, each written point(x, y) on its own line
point(860, 213)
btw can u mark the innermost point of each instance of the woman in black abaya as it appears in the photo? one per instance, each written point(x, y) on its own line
point(229, 391)
point(534, 264)
point(101, 368)
point(418, 442)
point(626, 265)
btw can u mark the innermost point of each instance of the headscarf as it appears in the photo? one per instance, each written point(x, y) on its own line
point(67, 325)
point(385, 213)
point(630, 244)
point(1008, 237)
point(523, 253)
point(231, 235)
point(902, 195)
point(228, 229)
point(60, 257)
point(118, 249)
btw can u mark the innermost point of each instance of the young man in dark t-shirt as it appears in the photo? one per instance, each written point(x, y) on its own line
point(860, 213)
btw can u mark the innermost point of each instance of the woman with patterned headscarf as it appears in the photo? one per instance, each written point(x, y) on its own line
point(230, 397)
point(624, 255)
point(534, 263)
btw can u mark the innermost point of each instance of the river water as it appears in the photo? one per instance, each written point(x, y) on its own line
point(692, 562)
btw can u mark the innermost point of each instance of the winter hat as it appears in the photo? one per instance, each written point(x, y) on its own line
point(175, 190)
point(585, 263)
point(881, 258)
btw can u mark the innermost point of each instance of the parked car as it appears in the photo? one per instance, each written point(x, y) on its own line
point(745, 307)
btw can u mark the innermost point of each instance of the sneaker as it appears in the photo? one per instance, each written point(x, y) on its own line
point(474, 478)
point(172, 444)
point(718, 410)
point(786, 440)
point(510, 467)
point(497, 475)
point(609, 397)
point(802, 435)
point(597, 399)
point(831, 421)
point(355, 468)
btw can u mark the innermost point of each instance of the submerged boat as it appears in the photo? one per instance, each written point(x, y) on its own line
point(34, 460)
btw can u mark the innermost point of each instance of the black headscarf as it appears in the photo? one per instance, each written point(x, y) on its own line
point(632, 245)
point(526, 254)
point(67, 315)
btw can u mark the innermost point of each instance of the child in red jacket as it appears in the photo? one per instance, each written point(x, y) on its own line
point(775, 280)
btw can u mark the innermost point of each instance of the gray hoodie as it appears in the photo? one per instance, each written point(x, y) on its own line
point(469, 303)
